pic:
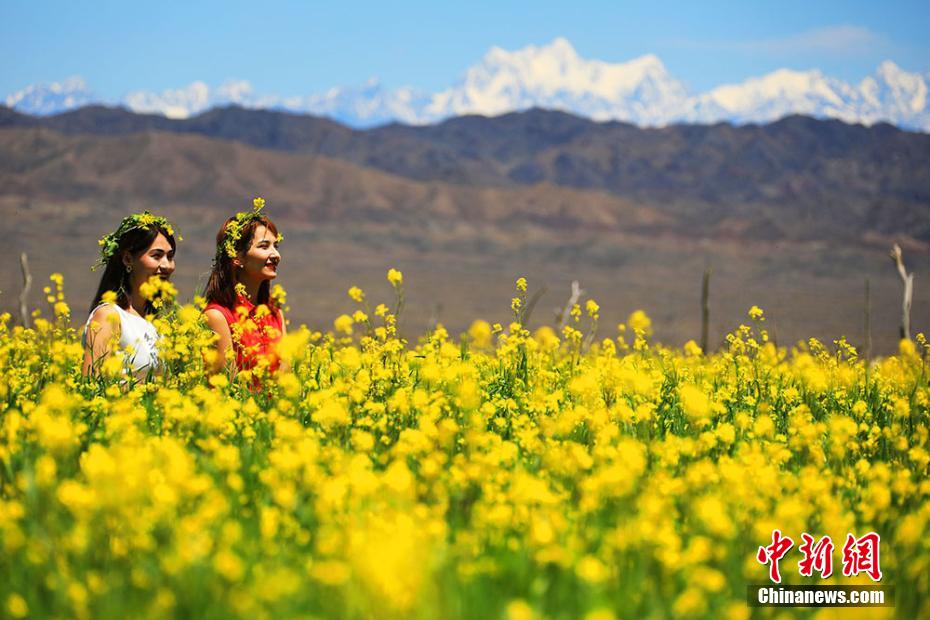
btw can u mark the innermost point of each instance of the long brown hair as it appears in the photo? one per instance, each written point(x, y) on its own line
point(221, 286)
point(115, 277)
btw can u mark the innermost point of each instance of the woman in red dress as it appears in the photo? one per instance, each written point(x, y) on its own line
point(240, 309)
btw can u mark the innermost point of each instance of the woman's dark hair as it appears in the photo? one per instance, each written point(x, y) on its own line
point(221, 286)
point(115, 277)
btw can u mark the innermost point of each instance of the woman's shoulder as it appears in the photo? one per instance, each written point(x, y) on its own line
point(216, 310)
point(100, 321)
point(103, 311)
point(216, 306)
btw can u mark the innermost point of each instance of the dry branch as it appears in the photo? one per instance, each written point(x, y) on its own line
point(577, 292)
point(908, 280)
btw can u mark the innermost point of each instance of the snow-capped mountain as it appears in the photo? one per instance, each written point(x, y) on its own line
point(891, 95)
point(51, 97)
point(895, 93)
point(639, 91)
point(554, 76)
point(197, 97)
point(370, 104)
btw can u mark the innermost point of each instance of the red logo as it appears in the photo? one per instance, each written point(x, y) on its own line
point(772, 554)
point(860, 555)
point(817, 557)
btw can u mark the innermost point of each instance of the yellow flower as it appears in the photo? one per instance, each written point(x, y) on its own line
point(694, 403)
point(158, 291)
point(343, 324)
point(640, 321)
point(575, 312)
point(356, 294)
point(395, 277)
point(592, 570)
point(692, 349)
point(519, 609)
point(62, 310)
point(17, 606)
point(592, 308)
point(480, 333)
point(279, 295)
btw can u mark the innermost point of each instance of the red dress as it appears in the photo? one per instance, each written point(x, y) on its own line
point(254, 330)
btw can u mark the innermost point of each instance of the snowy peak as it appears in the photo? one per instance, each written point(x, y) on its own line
point(769, 97)
point(194, 98)
point(553, 76)
point(890, 94)
point(368, 104)
point(905, 91)
point(556, 76)
point(52, 97)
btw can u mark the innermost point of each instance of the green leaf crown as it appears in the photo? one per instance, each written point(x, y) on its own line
point(109, 245)
point(235, 227)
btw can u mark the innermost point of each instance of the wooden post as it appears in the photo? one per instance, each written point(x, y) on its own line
point(868, 322)
point(908, 280)
point(705, 309)
point(27, 285)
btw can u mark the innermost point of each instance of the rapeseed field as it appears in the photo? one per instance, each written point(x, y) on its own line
point(496, 474)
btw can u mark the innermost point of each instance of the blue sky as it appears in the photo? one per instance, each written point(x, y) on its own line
point(296, 48)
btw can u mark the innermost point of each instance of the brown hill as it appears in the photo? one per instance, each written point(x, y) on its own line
point(164, 168)
point(798, 178)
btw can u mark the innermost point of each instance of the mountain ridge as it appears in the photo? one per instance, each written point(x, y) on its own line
point(640, 91)
point(798, 178)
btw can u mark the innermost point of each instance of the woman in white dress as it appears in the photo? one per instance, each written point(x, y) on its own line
point(143, 246)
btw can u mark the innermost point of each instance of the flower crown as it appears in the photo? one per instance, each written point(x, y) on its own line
point(234, 228)
point(109, 245)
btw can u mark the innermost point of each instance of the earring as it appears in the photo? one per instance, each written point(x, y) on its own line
point(128, 268)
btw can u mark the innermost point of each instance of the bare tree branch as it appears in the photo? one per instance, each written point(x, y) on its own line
point(908, 280)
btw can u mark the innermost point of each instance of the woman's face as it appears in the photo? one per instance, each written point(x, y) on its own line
point(261, 260)
point(157, 260)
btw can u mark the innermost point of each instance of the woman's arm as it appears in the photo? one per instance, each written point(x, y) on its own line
point(102, 328)
point(217, 322)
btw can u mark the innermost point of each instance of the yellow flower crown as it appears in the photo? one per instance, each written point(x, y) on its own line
point(109, 244)
point(235, 227)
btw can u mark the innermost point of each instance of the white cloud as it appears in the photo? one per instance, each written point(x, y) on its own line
point(839, 40)
point(836, 40)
